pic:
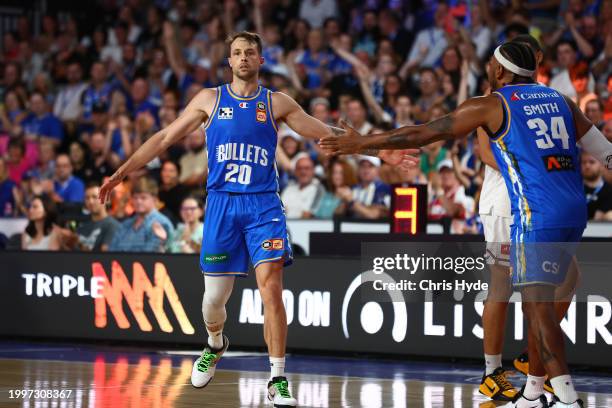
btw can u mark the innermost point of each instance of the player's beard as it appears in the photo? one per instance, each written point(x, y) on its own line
point(246, 76)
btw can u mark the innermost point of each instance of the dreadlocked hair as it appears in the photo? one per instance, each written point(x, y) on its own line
point(521, 55)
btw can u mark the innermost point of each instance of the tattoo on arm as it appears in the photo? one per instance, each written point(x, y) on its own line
point(442, 125)
point(337, 131)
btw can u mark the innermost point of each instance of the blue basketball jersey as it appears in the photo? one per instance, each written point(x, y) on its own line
point(537, 154)
point(241, 143)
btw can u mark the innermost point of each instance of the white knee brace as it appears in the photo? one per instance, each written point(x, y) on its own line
point(217, 290)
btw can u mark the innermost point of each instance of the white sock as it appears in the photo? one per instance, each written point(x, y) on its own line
point(534, 387)
point(564, 389)
point(215, 338)
point(277, 367)
point(492, 361)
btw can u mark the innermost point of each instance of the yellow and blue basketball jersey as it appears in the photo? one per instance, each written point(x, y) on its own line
point(538, 157)
point(537, 154)
point(245, 219)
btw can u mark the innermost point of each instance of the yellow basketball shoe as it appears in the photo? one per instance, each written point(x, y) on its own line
point(496, 386)
point(521, 363)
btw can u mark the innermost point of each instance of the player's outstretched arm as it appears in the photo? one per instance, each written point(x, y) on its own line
point(590, 138)
point(286, 109)
point(289, 111)
point(187, 122)
point(481, 111)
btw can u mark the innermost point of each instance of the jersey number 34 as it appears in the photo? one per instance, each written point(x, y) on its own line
point(557, 131)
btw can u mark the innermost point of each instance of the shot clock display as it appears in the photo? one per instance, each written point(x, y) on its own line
point(409, 209)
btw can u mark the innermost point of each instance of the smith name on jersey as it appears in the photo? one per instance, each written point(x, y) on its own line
point(537, 154)
point(241, 137)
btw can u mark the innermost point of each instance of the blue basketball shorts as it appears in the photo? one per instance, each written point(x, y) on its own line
point(239, 228)
point(542, 256)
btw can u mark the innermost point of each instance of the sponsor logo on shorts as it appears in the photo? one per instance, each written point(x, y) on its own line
point(215, 258)
point(273, 244)
point(558, 162)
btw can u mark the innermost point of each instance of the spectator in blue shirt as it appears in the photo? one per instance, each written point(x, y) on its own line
point(7, 195)
point(140, 99)
point(40, 123)
point(99, 90)
point(67, 188)
point(370, 198)
point(148, 229)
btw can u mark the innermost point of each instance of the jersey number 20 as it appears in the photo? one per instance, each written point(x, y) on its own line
point(557, 130)
point(243, 171)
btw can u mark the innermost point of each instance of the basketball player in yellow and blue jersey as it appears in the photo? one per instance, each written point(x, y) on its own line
point(245, 221)
point(535, 131)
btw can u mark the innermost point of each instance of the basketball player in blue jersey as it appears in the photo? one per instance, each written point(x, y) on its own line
point(245, 220)
point(497, 220)
point(535, 131)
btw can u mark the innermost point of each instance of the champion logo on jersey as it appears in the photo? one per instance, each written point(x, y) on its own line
point(226, 113)
point(244, 105)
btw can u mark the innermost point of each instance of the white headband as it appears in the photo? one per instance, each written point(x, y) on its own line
point(511, 66)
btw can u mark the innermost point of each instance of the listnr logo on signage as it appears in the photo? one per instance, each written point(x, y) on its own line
point(118, 288)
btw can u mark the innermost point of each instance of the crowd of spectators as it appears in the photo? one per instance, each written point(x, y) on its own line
point(77, 101)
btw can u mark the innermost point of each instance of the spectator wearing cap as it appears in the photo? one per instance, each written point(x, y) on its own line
point(579, 74)
point(301, 196)
point(68, 106)
point(98, 92)
point(66, 187)
point(147, 230)
point(194, 162)
point(370, 198)
point(40, 123)
point(567, 58)
point(7, 192)
point(597, 191)
point(450, 200)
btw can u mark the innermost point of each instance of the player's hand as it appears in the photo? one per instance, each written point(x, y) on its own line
point(108, 186)
point(406, 157)
point(350, 143)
